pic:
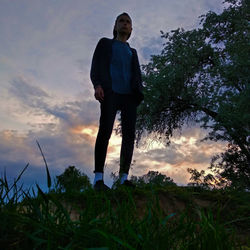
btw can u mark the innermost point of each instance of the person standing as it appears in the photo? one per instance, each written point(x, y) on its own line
point(116, 77)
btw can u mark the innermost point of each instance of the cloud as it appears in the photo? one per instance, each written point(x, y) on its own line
point(69, 113)
point(186, 151)
point(61, 149)
point(77, 112)
point(27, 92)
point(64, 140)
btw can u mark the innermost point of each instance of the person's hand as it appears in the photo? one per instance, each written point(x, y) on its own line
point(99, 93)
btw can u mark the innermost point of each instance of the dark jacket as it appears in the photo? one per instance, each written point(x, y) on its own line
point(100, 69)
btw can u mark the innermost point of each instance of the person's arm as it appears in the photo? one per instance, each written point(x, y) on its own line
point(95, 65)
point(138, 79)
point(95, 72)
point(138, 72)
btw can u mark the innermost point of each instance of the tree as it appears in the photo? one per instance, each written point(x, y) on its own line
point(202, 76)
point(157, 178)
point(152, 178)
point(206, 181)
point(233, 166)
point(72, 180)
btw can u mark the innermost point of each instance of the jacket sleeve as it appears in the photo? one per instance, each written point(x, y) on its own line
point(138, 80)
point(138, 72)
point(95, 65)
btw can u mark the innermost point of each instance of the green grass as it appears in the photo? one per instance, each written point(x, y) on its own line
point(145, 218)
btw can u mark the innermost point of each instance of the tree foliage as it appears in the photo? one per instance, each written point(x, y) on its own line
point(154, 178)
point(206, 181)
point(202, 76)
point(72, 180)
point(233, 166)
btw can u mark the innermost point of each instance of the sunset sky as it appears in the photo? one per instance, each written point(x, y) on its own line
point(46, 48)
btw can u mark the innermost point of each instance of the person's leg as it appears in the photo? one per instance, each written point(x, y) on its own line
point(128, 118)
point(108, 113)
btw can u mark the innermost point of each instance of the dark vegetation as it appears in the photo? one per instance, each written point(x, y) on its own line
point(156, 215)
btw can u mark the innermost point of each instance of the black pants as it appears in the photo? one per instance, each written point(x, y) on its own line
point(109, 107)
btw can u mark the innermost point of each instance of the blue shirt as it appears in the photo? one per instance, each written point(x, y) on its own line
point(120, 67)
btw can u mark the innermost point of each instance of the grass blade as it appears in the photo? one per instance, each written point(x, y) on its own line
point(47, 169)
point(14, 184)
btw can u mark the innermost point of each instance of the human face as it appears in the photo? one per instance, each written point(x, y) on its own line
point(123, 26)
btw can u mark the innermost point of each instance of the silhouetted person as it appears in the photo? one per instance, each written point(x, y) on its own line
point(116, 76)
